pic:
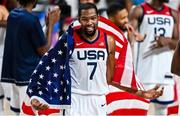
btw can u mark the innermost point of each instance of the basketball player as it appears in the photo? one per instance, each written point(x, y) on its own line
point(5, 89)
point(154, 54)
point(25, 43)
point(94, 52)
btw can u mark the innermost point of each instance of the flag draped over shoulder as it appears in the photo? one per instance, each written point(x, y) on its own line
point(124, 74)
point(50, 81)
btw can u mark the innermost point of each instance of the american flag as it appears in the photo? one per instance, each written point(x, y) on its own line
point(117, 99)
point(50, 82)
point(54, 68)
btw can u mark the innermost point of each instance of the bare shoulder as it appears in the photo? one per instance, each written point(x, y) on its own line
point(110, 40)
point(136, 12)
point(174, 14)
point(111, 43)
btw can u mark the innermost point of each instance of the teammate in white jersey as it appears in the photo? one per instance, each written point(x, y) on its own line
point(92, 66)
point(154, 55)
point(5, 88)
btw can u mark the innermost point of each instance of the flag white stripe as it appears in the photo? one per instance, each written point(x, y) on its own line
point(122, 104)
point(126, 80)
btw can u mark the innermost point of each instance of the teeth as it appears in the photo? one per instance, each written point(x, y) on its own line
point(90, 29)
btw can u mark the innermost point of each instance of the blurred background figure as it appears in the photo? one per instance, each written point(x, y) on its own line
point(154, 54)
point(4, 91)
point(28, 43)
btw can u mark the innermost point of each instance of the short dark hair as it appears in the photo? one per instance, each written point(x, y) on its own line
point(87, 6)
point(25, 2)
point(114, 8)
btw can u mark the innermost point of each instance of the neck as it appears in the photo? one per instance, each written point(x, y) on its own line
point(28, 8)
point(90, 38)
point(156, 4)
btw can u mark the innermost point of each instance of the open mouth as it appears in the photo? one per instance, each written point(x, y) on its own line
point(89, 29)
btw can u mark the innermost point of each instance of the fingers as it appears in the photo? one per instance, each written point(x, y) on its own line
point(154, 45)
point(161, 91)
point(156, 87)
point(139, 37)
point(42, 107)
point(158, 92)
point(38, 106)
point(130, 28)
point(53, 15)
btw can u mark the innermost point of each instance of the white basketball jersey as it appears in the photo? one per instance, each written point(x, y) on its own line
point(88, 65)
point(153, 66)
point(2, 39)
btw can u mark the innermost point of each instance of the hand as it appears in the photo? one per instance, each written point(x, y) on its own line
point(53, 16)
point(153, 93)
point(160, 42)
point(38, 106)
point(131, 32)
point(139, 37)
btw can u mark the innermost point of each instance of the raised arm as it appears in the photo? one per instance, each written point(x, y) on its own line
point(52, 18)
point(3, 16)
point(135, 15)
point(175, 67)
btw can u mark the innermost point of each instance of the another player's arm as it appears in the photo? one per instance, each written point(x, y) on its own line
point(135, 15)
point(3, 23)
point(173, 42)
point(3, 16)
point(53, 17)
point(175, 67)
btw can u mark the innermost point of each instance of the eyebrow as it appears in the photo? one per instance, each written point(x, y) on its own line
point(90, 16)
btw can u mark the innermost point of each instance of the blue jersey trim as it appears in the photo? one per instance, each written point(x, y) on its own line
point(162, 102)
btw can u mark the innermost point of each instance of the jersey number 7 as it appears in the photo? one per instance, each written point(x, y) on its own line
point(94, 64)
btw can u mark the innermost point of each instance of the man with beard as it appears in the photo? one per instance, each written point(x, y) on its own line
point(25, 43)
point(94, 52)
point(154, 54)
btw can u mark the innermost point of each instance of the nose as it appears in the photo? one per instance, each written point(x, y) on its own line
point(89, 22)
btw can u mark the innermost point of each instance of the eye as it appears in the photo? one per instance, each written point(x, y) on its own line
point(84, 19)
point(93, 18)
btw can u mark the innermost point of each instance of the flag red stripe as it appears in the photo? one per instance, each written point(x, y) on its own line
point(173, 110)
point(122, 96)
point(119, 69)
point(131, 112)
point(28, 110)
point(134, 82)
point(108, 22)
point(114, 35)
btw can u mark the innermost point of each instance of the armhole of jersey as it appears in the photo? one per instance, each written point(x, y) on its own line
point(106, 41)
point(141, 18)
